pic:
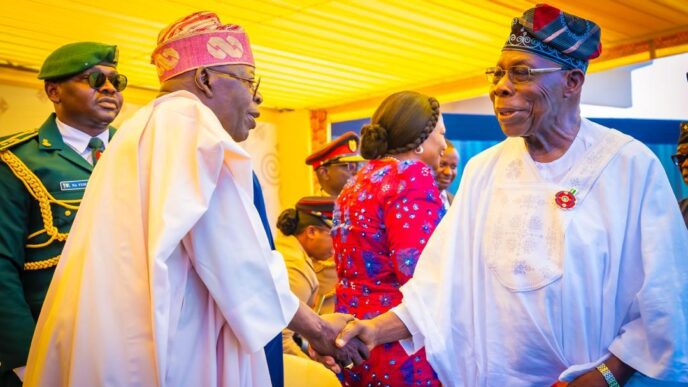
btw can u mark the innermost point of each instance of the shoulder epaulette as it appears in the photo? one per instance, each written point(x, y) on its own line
point(17, 138)
point(37, 189)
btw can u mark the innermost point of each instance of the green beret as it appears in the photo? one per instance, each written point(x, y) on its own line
point(74, 58)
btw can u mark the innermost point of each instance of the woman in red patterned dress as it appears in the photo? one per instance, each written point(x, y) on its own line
point(383, 218)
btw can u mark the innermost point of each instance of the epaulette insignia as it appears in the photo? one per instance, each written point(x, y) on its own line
point(46, 142)
point(18, 138)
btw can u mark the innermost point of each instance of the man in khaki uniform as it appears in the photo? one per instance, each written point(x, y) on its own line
point(43, 175)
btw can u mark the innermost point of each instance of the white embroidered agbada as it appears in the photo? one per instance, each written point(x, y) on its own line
point(512, 290)
point(167, 278)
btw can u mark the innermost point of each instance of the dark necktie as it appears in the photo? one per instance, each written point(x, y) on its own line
point(97, 147)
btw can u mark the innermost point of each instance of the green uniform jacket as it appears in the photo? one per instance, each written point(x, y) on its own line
point(63, 173)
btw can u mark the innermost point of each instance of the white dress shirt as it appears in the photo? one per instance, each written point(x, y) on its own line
point(78, 140)
point(445, 199)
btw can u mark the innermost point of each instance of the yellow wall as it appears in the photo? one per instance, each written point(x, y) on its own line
point(294, 145)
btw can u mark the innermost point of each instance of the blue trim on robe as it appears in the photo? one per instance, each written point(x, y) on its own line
point(273, 350)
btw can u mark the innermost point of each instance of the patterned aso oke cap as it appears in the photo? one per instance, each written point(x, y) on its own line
point(558, 36)
point(318, 206)
point(73, 58)
point(199, 39)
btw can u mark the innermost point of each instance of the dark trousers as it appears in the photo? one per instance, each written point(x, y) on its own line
point(10, 379)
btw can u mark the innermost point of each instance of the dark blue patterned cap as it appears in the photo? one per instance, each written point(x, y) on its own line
point(555, 35)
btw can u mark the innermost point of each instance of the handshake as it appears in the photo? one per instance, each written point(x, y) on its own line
point(343, 341)
point(340, 340)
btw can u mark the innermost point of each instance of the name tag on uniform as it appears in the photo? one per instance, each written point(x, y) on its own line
point(74, 185)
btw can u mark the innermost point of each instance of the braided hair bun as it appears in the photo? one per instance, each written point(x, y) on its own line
point(288, 221)
point(401, 123)
point(373, 141)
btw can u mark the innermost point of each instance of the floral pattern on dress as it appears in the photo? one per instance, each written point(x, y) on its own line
point(406, 261)
point(382, 221)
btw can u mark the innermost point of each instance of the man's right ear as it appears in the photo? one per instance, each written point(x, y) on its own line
point(322, 172)
point(202, 81)
point(52, 90)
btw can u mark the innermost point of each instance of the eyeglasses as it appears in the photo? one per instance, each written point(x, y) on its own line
point(517, 74)
point(96, 80)
point(350, 167)
point(252, 83)
point(679, 159)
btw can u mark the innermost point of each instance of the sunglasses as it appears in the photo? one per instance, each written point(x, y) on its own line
point(97, 79)
point(679, 159)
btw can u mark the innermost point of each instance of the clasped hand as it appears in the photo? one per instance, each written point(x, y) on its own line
point(347, 343)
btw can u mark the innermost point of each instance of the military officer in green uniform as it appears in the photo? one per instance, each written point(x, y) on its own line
point(43, 174)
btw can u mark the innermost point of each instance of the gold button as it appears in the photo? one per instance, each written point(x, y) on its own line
point(67, 213)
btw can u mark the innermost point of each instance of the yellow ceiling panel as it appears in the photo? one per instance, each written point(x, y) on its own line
point(280, 57)
point(336, 54)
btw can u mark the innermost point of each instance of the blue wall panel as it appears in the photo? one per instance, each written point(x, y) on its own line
point(472, 133)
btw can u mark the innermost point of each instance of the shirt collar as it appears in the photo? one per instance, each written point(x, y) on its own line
point(444, 198)
point(77, 139)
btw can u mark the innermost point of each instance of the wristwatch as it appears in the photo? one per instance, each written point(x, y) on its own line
point(608, 375)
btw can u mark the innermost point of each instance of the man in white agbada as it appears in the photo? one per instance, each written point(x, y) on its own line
point(562, 258)
point(168, 278)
